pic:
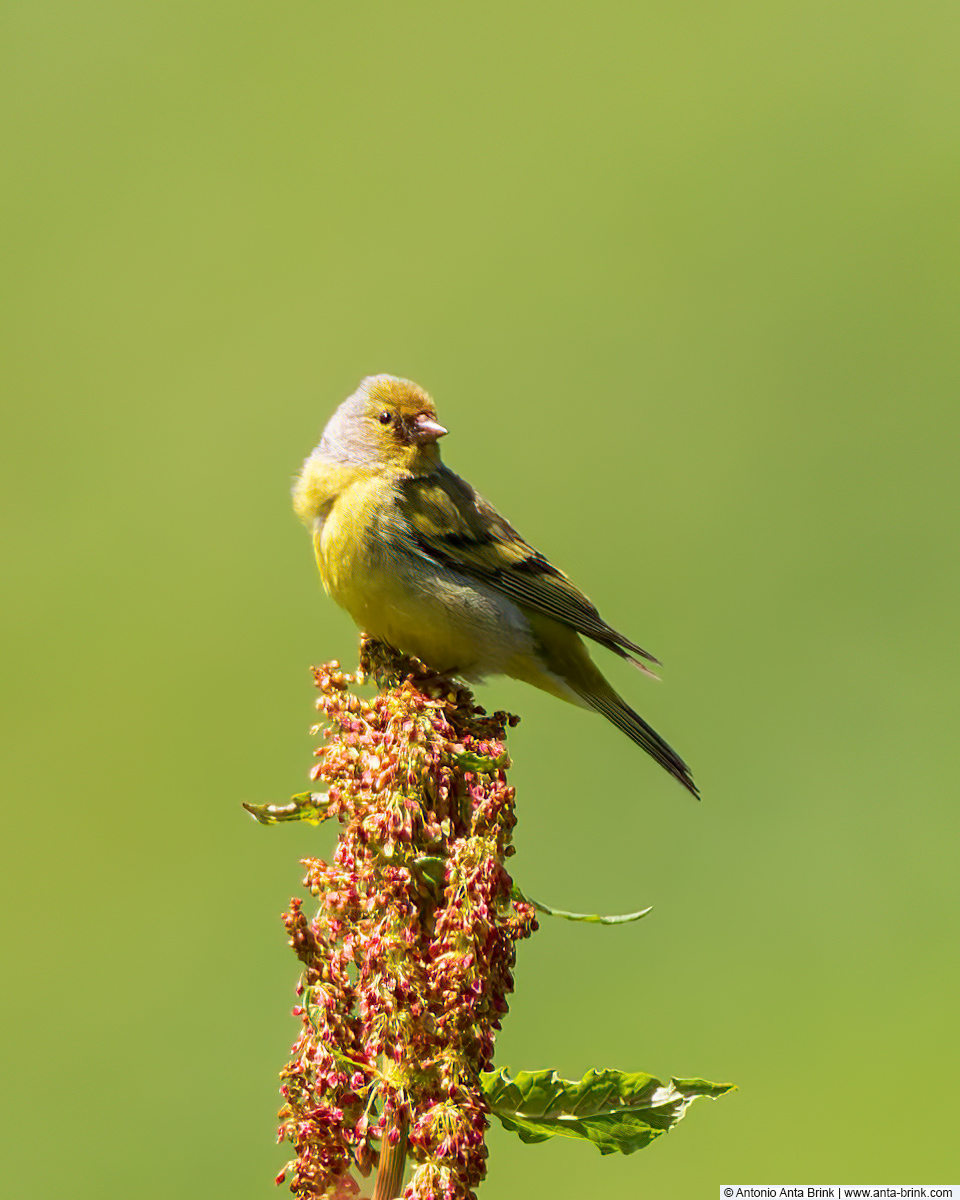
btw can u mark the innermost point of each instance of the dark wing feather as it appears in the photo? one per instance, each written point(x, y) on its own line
point(451, 524)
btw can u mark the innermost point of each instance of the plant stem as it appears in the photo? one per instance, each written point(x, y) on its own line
point(392, 1161)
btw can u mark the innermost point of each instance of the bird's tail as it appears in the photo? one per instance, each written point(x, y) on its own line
point(563, 667)
point(606, 702)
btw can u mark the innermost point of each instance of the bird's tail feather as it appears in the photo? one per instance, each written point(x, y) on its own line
point(616, 710)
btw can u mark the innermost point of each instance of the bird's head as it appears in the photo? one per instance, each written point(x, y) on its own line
point(386, 422)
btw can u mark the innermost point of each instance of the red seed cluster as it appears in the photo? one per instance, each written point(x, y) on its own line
point(407, 962)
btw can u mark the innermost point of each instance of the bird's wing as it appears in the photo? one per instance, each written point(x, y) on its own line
point(448, 522)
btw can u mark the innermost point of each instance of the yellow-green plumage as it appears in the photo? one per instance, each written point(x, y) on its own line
point(422, 562)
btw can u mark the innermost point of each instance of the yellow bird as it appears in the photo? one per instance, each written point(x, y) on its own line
point(422, 562)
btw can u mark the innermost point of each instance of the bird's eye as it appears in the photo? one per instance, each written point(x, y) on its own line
point(385, 418)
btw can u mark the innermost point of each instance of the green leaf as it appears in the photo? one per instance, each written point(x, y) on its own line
point(430, 874)
point(480, 764)
point(305, 806)
point(594, 918)
point(616, 1110)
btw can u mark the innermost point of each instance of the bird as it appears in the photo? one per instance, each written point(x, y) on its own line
point(426, 565)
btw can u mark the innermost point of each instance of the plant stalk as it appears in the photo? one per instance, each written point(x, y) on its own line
point(393, 1159)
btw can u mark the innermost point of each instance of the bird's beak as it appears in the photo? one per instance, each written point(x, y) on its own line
point(426, 429)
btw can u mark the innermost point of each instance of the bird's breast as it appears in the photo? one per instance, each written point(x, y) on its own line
point(424, 608)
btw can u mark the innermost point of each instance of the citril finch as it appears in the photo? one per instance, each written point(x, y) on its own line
point(423, 563)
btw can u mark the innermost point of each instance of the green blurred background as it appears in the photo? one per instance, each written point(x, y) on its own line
point(682, 279)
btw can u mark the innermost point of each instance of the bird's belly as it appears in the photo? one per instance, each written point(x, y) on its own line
point(447, 620)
